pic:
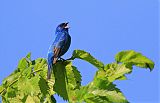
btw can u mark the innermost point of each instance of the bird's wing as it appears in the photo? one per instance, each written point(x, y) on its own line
point(60, 43)
point(56, 51)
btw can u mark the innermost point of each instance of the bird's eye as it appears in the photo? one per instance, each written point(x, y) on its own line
point(62, 24)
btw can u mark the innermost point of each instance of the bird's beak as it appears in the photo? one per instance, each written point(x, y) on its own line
point(67, 26)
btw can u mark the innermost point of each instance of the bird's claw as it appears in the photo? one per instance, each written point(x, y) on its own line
point(62, 59)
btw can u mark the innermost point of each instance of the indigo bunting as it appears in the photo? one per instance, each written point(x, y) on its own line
point(59, 47)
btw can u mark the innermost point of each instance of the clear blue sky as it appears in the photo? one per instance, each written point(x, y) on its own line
point(101, 27)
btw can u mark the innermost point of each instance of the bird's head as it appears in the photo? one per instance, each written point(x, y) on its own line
point(62, 26)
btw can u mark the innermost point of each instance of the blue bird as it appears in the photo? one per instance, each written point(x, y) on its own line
point(59, 47)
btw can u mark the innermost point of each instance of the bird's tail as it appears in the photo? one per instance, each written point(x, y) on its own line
point(49, 70)
point(50, 66)
point(50, 60)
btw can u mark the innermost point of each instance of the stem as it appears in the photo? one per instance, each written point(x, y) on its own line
point(2, 91)
point(9, 85)
point(70, 58)
point(37, 70)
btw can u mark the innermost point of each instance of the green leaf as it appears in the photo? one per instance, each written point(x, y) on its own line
point(50, 99)
point(81, 54)
point(23, 64)
point(92, 94)
point(27, 72)
point(28, 55)
point(28, 58)
point(53, 100)
point(131, 57)
point(102, 83)
point(44, 88)
point(73, 76)
point(67, 79)
point(32, 99)
point(12, 100)
point(1, 89)
point(80, 94)
point(114, 71)
point(39, 63)
point(122, 78)
point(111, 96)
point(77, 76)
point(4, 100)
point(29, 86)
point(40, 67)
point(97, 99)
point(60, 86)
point(10, 79)
point(50, 84)
point(11, 93)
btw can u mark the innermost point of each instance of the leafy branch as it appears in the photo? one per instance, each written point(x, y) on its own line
point(28, 83)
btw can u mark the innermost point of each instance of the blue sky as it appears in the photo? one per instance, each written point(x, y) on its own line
point(101, 27)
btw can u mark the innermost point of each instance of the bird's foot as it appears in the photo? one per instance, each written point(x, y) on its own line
point(62, 59)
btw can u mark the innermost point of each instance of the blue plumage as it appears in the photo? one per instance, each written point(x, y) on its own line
point(59, 47)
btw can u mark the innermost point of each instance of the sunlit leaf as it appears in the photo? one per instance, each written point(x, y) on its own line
point(1, 89)
point(81, 54)
point(28, 83)
point(73, 76)
point(13, 100)
point(115, 71)
point(28, 56)
point(111, 96)
point(11, 78)
point(80, 94)
point(32, 99)
point(131, 57)
point(39, 63)
point(97, 99)
point(29, 86)
point(91, 94)
point(23, 64)
point(27, 72)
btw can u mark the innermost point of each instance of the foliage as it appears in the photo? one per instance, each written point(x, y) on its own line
point(28, 83)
